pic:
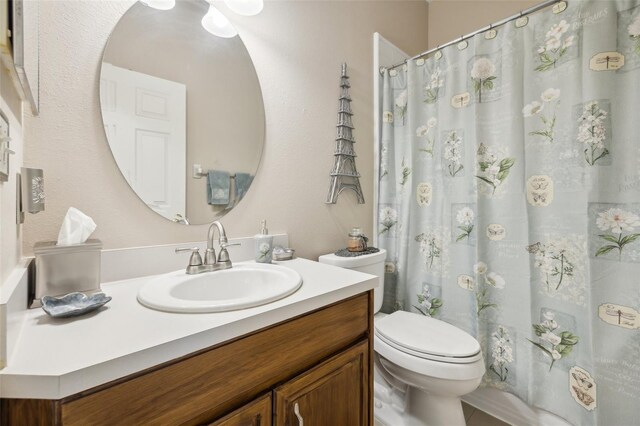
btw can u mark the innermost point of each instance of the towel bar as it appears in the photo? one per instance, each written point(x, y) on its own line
point(199, 174)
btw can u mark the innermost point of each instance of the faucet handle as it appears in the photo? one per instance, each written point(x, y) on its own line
point(196, 259)
point(225, 245)
point(223, 256)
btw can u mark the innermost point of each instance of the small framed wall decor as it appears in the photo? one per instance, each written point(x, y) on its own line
point(19, 47)
point(5, 151)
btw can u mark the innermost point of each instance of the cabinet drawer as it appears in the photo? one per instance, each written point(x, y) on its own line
point(205, 386)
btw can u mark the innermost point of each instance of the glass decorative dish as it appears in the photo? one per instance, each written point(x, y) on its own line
point(281, 253)
point(73, 304)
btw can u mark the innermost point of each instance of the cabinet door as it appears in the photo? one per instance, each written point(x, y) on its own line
point(256, 413)
point(335, 392)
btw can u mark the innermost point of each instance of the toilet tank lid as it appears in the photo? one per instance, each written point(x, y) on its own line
point(353, 262)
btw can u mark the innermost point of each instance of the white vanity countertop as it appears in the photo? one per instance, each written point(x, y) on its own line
point(55, 358)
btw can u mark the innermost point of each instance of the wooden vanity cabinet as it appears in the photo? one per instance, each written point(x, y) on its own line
point(256, 413)
point(316, 367)
point(332, 393)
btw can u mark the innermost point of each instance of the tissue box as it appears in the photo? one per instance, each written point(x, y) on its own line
point(64, 269)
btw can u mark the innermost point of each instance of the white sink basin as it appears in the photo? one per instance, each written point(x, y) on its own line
point(243, 286)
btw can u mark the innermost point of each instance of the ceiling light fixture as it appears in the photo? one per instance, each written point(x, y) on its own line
point(218, 24)
point(245, 7)
point(160, 4)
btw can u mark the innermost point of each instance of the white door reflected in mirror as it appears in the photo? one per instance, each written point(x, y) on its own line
point(146, 128)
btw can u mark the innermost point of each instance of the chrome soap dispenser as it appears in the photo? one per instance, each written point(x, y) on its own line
point(263, 244)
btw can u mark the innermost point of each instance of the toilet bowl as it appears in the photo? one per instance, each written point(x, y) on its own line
point(423, 366)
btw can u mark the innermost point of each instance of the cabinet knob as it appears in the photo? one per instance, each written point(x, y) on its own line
point(296, 411)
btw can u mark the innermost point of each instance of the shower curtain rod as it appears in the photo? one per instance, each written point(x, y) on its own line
point(528, 11)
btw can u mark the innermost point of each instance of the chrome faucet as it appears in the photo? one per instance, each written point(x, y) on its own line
point(211, 263)
point(210, 254)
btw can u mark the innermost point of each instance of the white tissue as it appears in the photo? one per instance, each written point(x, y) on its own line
point(76, 228)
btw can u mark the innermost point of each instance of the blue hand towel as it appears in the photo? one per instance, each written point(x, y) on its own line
point(243, 181)
point(218, 184)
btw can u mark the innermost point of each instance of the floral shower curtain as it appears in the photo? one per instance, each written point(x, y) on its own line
point(509, 203)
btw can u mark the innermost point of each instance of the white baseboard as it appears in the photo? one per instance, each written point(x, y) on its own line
point(511, 409)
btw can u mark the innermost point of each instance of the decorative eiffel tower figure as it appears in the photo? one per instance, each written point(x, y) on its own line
point(344, 174)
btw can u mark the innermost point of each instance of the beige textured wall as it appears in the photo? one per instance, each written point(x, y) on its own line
point(450, 19)
point(297, 48)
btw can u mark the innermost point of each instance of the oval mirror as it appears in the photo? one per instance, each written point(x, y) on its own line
point(182, 109)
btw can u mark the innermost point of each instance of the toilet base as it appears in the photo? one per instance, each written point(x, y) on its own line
point(438, 410)
point(414, 407)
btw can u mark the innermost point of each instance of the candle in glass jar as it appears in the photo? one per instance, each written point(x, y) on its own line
point(356, 241)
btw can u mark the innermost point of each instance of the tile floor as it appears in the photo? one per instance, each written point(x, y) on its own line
point(473, 417)
point(476, 417)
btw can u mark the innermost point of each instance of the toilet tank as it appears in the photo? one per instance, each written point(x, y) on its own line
point(368, 263)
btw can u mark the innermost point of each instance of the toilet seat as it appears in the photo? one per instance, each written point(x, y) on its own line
point(418, 350)
point(429, 367)
point(432, 357)
point(427, 338)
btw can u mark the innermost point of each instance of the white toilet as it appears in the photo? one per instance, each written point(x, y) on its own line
point(423, 366)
